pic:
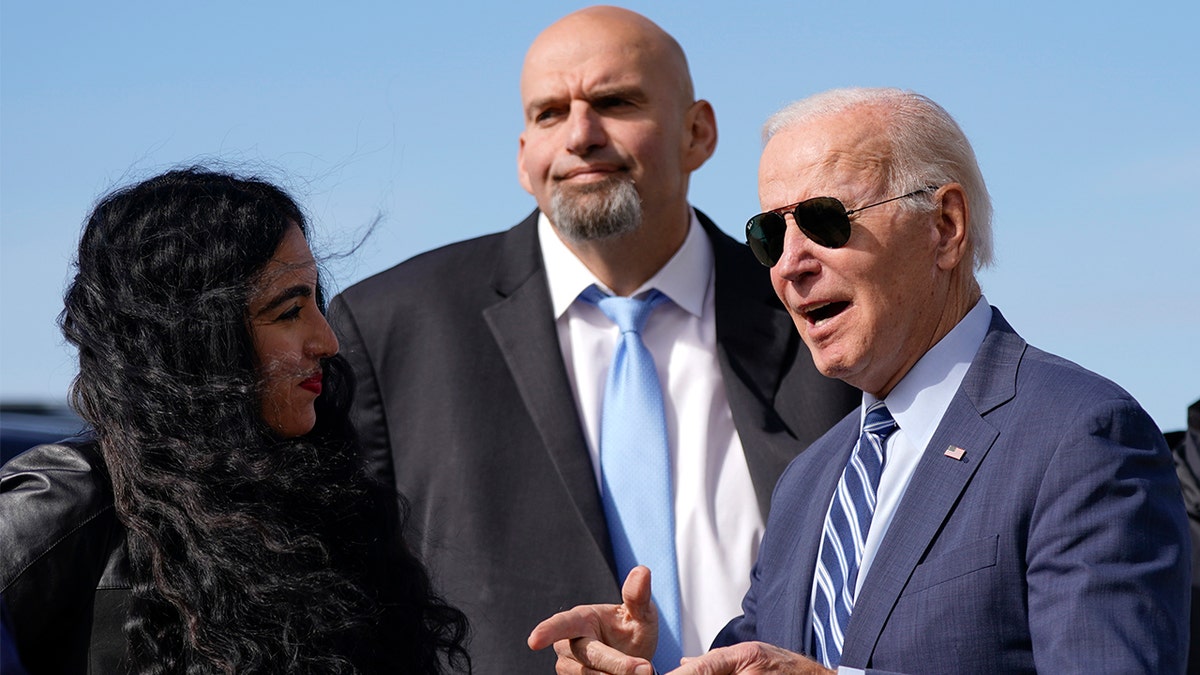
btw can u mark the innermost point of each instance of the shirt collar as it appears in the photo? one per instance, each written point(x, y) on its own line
point(684, 279)
point(921, 399)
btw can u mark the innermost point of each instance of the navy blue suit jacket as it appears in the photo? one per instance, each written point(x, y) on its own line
point(1058, 543)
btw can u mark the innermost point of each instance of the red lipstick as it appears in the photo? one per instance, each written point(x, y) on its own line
point(313, 383)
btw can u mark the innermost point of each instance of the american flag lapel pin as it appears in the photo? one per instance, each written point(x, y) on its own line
point(954, 452)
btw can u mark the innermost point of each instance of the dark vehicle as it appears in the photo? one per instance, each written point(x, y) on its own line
point(24, 425)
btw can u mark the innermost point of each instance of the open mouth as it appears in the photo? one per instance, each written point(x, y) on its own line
point(818, 313)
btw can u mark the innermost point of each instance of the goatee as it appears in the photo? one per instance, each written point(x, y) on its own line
point(599, 210)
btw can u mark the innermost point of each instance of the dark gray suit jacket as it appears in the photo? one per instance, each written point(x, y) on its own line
point(463, 400)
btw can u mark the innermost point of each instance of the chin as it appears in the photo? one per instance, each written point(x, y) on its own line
point(831, 371)
point(822, 357)
point(294, 426)
point(832, 365)
point(301, 429)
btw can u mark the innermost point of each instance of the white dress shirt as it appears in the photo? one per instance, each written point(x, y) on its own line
point(718, 525)
point(917, 403)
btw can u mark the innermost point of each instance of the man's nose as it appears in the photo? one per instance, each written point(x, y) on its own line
point(585, 129)
point(797, 258)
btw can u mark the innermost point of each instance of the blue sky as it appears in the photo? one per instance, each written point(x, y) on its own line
point(1083, 118)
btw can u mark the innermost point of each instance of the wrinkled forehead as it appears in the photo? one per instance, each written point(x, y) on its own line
point(585, 62)
point(837, 157)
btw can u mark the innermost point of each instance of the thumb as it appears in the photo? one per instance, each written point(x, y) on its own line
point(636, 596)
point(715, 662)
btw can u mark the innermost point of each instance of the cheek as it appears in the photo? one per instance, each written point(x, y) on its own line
point(286, 408)
point(275, 393)
point(903, 299)
point(662, 161)
point(536, 157)
point(277, 374)
point(528, 164)
point(279, 351)
point(780, 286)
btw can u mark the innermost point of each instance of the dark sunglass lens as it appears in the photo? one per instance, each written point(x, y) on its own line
point(764, 234)
point(824, 220)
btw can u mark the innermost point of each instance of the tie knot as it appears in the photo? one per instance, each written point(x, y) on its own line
point(629, 314)
point(879, 421)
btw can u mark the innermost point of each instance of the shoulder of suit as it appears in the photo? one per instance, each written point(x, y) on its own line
point(453, 263)
point(1066, 378)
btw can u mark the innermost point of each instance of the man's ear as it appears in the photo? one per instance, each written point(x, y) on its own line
point(522, 174)
point(699, 135)
point(953, 238)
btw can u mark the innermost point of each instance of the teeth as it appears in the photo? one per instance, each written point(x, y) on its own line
point(815, 308)
point(819, 313)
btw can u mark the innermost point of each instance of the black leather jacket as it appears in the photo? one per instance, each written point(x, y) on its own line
point(64, 576)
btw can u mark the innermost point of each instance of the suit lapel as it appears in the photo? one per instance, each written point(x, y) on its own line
point(522, 323)
point(936, 485)
point(755, 339)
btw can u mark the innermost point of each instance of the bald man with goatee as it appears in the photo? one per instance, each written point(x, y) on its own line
point(490, 371)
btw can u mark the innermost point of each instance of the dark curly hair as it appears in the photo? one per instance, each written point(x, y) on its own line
point(249, 553)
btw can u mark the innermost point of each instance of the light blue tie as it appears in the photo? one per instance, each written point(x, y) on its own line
point(635, 466)
point(845, 533)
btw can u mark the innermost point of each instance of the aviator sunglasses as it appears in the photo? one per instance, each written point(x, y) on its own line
point(824, 220)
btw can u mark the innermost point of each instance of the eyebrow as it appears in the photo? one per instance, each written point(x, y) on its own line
point(631, 92)
point(297, 291)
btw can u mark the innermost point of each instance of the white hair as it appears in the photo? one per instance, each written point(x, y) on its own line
point(928, 148)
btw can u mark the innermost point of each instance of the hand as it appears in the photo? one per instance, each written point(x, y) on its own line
point(615, 639)
point(751, 658)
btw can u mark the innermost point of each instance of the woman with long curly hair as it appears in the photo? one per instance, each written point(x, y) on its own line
point(216, 518)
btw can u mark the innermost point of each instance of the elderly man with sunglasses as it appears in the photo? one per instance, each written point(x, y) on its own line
point(991, 508)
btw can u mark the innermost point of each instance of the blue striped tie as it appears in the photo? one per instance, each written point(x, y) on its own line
point(635, 466)
point(846, 528)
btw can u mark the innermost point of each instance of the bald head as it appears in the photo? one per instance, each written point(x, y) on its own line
point(603, 30)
